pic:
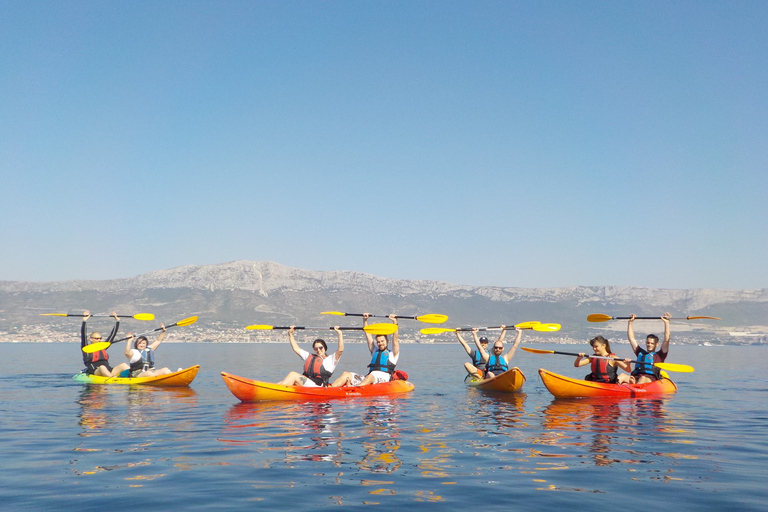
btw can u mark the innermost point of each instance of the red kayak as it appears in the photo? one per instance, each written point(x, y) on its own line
point(566, 387)
point(247, 390)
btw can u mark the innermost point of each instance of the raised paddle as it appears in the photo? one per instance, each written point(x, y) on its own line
point(103, 345)
point(430, 318)
point(604, 318)
point(672, 367)
point(138, 316)
point(536, 326)
point(376, 329)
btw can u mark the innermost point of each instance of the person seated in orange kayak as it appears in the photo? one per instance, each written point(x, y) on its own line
point(383, 360)
point(141, 355)
point(497, 362)
point(603, 370)
point(318, 367)
point(97, 363)
point(644, 370)
point(477, 367)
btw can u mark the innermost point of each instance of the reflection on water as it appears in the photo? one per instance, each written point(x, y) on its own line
point(607, 430)
point(316, 431)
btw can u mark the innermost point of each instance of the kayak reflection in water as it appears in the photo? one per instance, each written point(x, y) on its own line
point(142, 355)
point(318, 367)
point(603, 370)
point(383, 360)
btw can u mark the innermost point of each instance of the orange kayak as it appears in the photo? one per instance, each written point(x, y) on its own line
point(180, 378)
point(566, 387)
point(247, 390)
point(508, 382)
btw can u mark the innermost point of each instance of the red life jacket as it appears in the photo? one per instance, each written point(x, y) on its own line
point(314, 370)
point(602, 371)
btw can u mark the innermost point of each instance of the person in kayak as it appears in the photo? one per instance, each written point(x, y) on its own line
point(476, 368)
point(318, 367)
point(497, 362)
point(644, 370)
point(141, 355)
point(383, 360)
point(97, 363)
point(603, 370)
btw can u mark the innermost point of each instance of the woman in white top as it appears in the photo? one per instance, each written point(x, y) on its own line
point(142, 355)
point(318, 367)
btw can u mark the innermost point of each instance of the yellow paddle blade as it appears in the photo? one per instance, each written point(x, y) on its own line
point(528, 325)
point(187, 321)
point(54, 314)
point(432, 318)
point(381, 329)
point(547, 327)
point(672, 367)
point(703, 317)
point(338, 313)
point(436, 330)
point(599, 318)
point(144, 316)
point(260, 327)
point(537, 350)
point(95, 347)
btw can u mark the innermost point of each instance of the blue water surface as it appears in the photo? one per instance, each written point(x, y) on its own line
point(68, 446)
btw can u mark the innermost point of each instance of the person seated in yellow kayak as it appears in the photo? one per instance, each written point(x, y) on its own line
point(318, 367)
point(477, 367)
point(603, 370)
point(97, 363)
point(644, 370)
point(497, 362)
point(141, 355)
point(383, 360)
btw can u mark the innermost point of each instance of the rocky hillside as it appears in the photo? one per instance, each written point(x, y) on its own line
point(243, 292)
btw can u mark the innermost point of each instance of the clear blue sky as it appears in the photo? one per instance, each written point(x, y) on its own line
point(533, 144)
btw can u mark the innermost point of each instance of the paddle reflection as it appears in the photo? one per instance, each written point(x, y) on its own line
point(284, 426)
point(381, 420)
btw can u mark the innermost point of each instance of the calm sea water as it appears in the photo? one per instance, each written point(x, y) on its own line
point(68, 446)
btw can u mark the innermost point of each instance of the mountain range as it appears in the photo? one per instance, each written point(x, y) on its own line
point(236, 294)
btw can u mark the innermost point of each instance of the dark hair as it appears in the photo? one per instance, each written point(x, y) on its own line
point(602, 340)
point(322, 342)
point(652, 337)
point(138, 340)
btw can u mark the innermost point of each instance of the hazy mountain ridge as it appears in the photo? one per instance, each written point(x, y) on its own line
point(243, 292)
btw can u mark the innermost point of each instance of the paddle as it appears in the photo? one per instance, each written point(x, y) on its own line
point(428, 319)
point(376, 329)
point(672, 367)
point(103, 345)
point(139, 316)
point(604, 318)
point(536, 326)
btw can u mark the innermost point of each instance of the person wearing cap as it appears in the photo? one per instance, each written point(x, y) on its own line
point(496, 362)
point(318, 367)
point(476, 368)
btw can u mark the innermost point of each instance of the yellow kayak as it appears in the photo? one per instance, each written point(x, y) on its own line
point(180, 378)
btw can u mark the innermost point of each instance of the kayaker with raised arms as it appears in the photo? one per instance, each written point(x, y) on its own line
point(383, 360)
point(97, 363)
point(644, 370)
point(497, 362)
point(141, 355)
point(318, 367)
point(477, 367)
point(603, 370)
